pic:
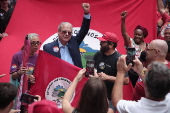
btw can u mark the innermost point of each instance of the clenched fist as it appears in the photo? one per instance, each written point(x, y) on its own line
point(86, 8)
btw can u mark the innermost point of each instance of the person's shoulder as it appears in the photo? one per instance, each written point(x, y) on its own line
point(116, 54)
point(124, 105)
point(18, 53)
point(51, 43)
point(98, 53)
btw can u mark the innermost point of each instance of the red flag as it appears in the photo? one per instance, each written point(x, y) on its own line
point(44, 16)
point(26, 54)
point(26, 51)
point(53, 77)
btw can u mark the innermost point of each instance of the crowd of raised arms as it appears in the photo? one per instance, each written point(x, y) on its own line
point(148, 71)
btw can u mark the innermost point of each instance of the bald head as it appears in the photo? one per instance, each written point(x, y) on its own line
point(160, 45)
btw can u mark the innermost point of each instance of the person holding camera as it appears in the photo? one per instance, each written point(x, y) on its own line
point(156, 51)
point(93, 97)
point(140, 33)
point(156, 82)
point(106, 62)
point(66, 47)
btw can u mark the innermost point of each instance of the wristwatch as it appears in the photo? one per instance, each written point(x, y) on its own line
point(143, 73)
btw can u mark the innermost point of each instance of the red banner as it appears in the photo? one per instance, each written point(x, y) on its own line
point(43, 17)
point(53, 77)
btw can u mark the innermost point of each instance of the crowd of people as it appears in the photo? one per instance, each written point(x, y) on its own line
point(103, 92)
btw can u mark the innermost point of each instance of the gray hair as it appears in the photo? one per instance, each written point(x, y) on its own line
point(157, 80)
point(64, 23)
point(31, 35)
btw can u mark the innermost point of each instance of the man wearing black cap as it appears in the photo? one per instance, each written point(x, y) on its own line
point(106, 62)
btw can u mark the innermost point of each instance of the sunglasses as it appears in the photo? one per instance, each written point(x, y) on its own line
point(65, 32)
point(35, 42)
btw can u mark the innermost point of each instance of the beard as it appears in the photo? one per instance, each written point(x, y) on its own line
point(104, 49)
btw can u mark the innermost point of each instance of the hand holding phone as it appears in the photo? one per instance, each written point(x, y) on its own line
point(130, 55)
point(89, 68)
point(27, 98)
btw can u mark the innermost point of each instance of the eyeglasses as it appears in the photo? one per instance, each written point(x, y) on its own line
point(65, 32)
point(147, 49)
point(35, 42)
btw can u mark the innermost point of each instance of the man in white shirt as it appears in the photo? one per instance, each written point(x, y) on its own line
point(156, 85)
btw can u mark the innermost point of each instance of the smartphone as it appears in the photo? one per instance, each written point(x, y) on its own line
point(89, 68)
point(131, 52)
point(27, 98)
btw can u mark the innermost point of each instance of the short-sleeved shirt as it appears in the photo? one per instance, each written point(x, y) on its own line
point(107, 65)
point(17, 63)
point(4, 18)
point(139, 91)
point(144, 106)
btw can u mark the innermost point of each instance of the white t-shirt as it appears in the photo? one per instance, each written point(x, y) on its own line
point(144, 106)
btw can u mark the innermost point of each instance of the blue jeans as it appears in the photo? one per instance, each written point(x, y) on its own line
point(111, 106)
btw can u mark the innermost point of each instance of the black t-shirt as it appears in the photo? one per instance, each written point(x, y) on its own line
point(4, 19)
point(107, 65)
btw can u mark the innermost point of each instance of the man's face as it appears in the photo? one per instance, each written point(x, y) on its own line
point(104, 46)
point(4, 3)
point(65, 33)
point(150, 52)
point(167, 35)
point(138, 36)
point(35, 42)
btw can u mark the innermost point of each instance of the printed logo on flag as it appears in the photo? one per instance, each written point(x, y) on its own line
point(56, 90)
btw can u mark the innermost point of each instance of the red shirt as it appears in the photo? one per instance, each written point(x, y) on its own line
point(139, 91)
point(166, 20)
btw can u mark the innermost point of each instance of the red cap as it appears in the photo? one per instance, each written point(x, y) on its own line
point(108, 36)
point(44, 106)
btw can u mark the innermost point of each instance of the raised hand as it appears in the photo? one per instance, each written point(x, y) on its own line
point(124, 14)
point(80, 74)
point(121, 65)
point(86, 8)
point(138, 67)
